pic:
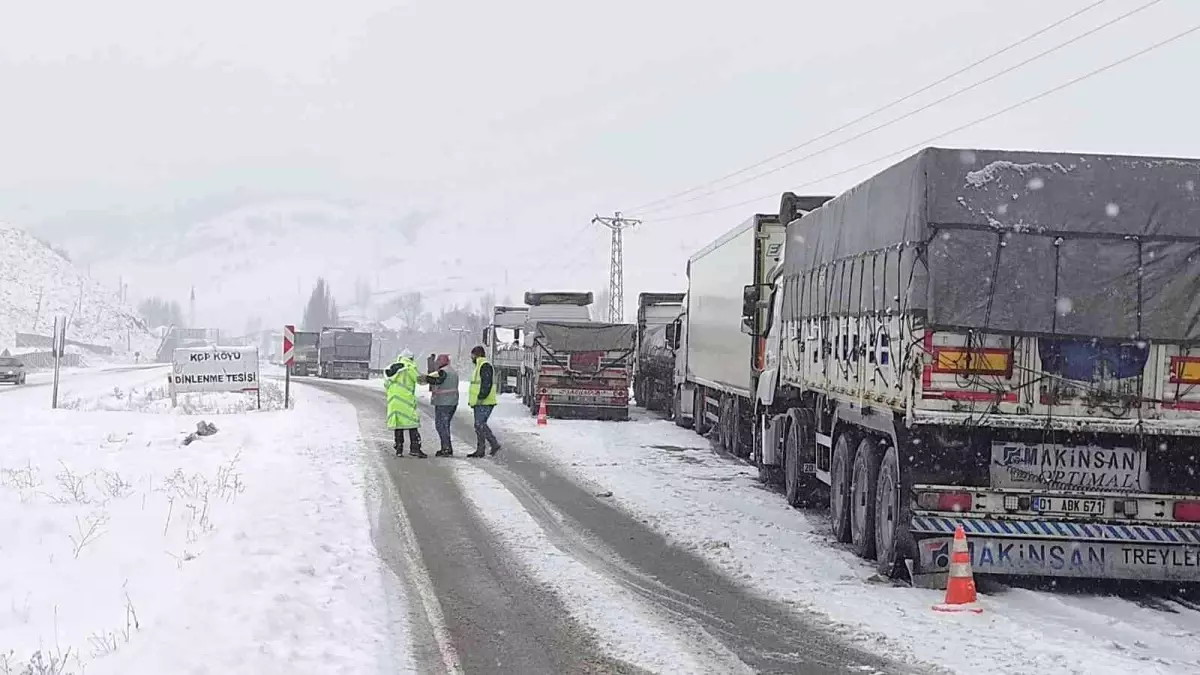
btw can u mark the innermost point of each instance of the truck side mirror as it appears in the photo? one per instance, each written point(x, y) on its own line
point(750, 295)
point(672, 329)
point(485, 335)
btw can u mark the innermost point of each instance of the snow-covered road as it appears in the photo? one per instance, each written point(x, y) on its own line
point(250, 550)
point(714, 506)
point(577, 585)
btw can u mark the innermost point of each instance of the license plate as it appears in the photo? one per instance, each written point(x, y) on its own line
point(1067, 505)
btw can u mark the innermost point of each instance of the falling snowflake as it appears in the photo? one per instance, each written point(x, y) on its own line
point(1112, 210)
point(1002, 209)
point(1063, 305)
point(1190, 186)
point(967, 157)
point(1035, 183)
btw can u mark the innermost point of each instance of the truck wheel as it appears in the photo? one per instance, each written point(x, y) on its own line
point(892, 537)
point(863, 481)
point(839, 488)
point(731, 427)
point(724, 438)
point(799, 487)
point(699, 413)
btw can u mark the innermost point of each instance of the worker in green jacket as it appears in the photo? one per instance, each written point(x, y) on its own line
point(401, 386)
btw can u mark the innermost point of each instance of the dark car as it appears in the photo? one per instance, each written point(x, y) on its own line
point(11, 370)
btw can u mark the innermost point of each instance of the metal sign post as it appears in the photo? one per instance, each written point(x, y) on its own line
point(289, 343)
point(56, 344)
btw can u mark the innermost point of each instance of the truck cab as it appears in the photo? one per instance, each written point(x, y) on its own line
point(502, 340)
point(654, 366)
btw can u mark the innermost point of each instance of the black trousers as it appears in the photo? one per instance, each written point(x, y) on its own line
point(414, 438)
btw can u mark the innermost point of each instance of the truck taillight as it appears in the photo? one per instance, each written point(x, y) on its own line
point(973, 361)
point(1188, 512)
point(945, 501)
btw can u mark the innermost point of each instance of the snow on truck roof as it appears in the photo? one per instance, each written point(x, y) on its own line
point(982, 238)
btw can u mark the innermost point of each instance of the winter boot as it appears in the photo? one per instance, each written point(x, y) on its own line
point(398, 444)
point(477, 454)
point(445, 452)
point(495, 449)
point(416, 451)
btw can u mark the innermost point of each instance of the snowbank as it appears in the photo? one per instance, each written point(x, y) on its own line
point(714, 506)
point(247, 551)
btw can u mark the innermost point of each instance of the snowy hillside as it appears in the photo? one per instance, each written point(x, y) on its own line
point(260, 263)
point(37, 284)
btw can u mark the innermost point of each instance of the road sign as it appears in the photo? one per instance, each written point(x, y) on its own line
point(289, 341)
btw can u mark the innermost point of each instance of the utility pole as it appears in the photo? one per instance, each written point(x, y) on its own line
point(461, 332)
point(616, 264)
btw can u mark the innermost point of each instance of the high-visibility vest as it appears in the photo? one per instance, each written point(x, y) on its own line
point(473, 395)
point(402, 397)
point(446, 393)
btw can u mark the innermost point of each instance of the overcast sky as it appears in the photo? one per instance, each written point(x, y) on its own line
point(531, 115)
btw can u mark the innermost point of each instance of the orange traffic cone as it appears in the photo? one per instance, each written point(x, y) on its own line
point(960, 586)
point(542, 413)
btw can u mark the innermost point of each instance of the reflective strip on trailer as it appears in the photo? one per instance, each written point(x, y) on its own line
point(1106, 560)
point(1057, 529)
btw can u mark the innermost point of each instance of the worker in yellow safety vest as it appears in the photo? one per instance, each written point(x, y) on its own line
point(482, 398)
point(401, 386)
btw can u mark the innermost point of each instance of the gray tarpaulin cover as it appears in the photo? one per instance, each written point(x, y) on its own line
point(566, 337)
point(1012, 242)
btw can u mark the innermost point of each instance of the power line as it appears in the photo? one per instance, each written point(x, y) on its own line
point(916, 111)
point(880, 109)
point(927, 141)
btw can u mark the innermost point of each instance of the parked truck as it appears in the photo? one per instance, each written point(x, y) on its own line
point(654, 366)
point(716, 364)
point(304, 353)
point(581, 367)
point(344, 354)
point(997, 340)
point(502, 339)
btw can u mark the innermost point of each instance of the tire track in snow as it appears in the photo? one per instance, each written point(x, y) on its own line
point(640, 633)
point(685, 609)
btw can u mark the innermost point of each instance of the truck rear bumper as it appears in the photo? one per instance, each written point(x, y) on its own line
point(1062, 548)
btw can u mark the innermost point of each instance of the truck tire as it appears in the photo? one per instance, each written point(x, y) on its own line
point(797, 484)
point(799, 487)
point(724, 417)
point(863, 481)
point(737, 431)
point(893, 540)
point(839, 487)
